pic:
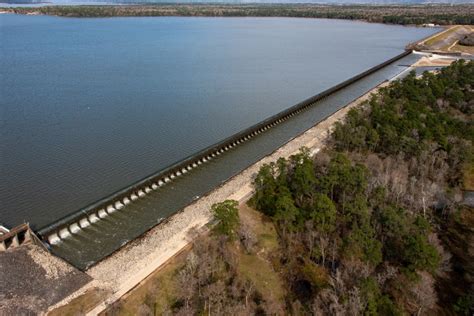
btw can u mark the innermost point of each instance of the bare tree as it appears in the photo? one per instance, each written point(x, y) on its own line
point(423, 294)
point(144, 310)
point(445, 263)
point(387, 273)
point(247, 237)
point(355, 304)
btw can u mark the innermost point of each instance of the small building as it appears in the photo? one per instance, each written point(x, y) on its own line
point(15, 237)
point(3, 230)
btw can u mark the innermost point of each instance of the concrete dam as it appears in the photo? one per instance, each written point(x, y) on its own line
point(88, 235)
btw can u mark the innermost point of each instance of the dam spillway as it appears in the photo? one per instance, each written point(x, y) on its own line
point(83, 116)
point(89, 235)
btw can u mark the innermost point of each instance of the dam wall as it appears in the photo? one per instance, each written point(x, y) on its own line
point(71, 224)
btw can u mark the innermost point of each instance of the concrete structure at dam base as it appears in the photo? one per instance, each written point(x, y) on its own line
point(18, 236)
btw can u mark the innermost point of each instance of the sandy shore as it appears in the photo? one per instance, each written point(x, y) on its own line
point(126, 268)
point(434, 60)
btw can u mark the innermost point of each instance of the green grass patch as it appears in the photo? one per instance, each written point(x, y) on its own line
point(468, 177)
point(81, 304)
point(269, 242)
point(257, 266)
point(441, 36)
point(159, 291)
point(262, 226)
point(261, 273)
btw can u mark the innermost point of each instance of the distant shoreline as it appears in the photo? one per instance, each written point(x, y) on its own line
point(388, 14)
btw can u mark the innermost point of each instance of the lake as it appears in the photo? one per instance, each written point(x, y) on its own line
point(88, 106)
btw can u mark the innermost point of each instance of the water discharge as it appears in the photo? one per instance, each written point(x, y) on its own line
point(89, 106)
point(149, 210)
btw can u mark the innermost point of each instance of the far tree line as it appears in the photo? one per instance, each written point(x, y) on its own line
point(392, 14)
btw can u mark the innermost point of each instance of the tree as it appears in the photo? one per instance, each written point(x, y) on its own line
point(371, 293)
point(362, 244)
point(285, 210)
point(324, 214)
point(265, 189)
point(419, 254)
point(322, 225)
point(303, 178)
point(227, 214)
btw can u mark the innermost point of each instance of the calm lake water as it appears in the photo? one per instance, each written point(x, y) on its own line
point(88, 106)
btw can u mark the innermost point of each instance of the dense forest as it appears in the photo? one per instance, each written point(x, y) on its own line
point(393, 14)
point(374, 224)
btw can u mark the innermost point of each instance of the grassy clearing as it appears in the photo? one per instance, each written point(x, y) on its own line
point(441, 36)
point(257, 266)
point(161, 288)
point(463, 49)
point(260, 271)
point(158, 290)
point(448, 40)
point(81, 304)
point(468, 181)
point(263, 227)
